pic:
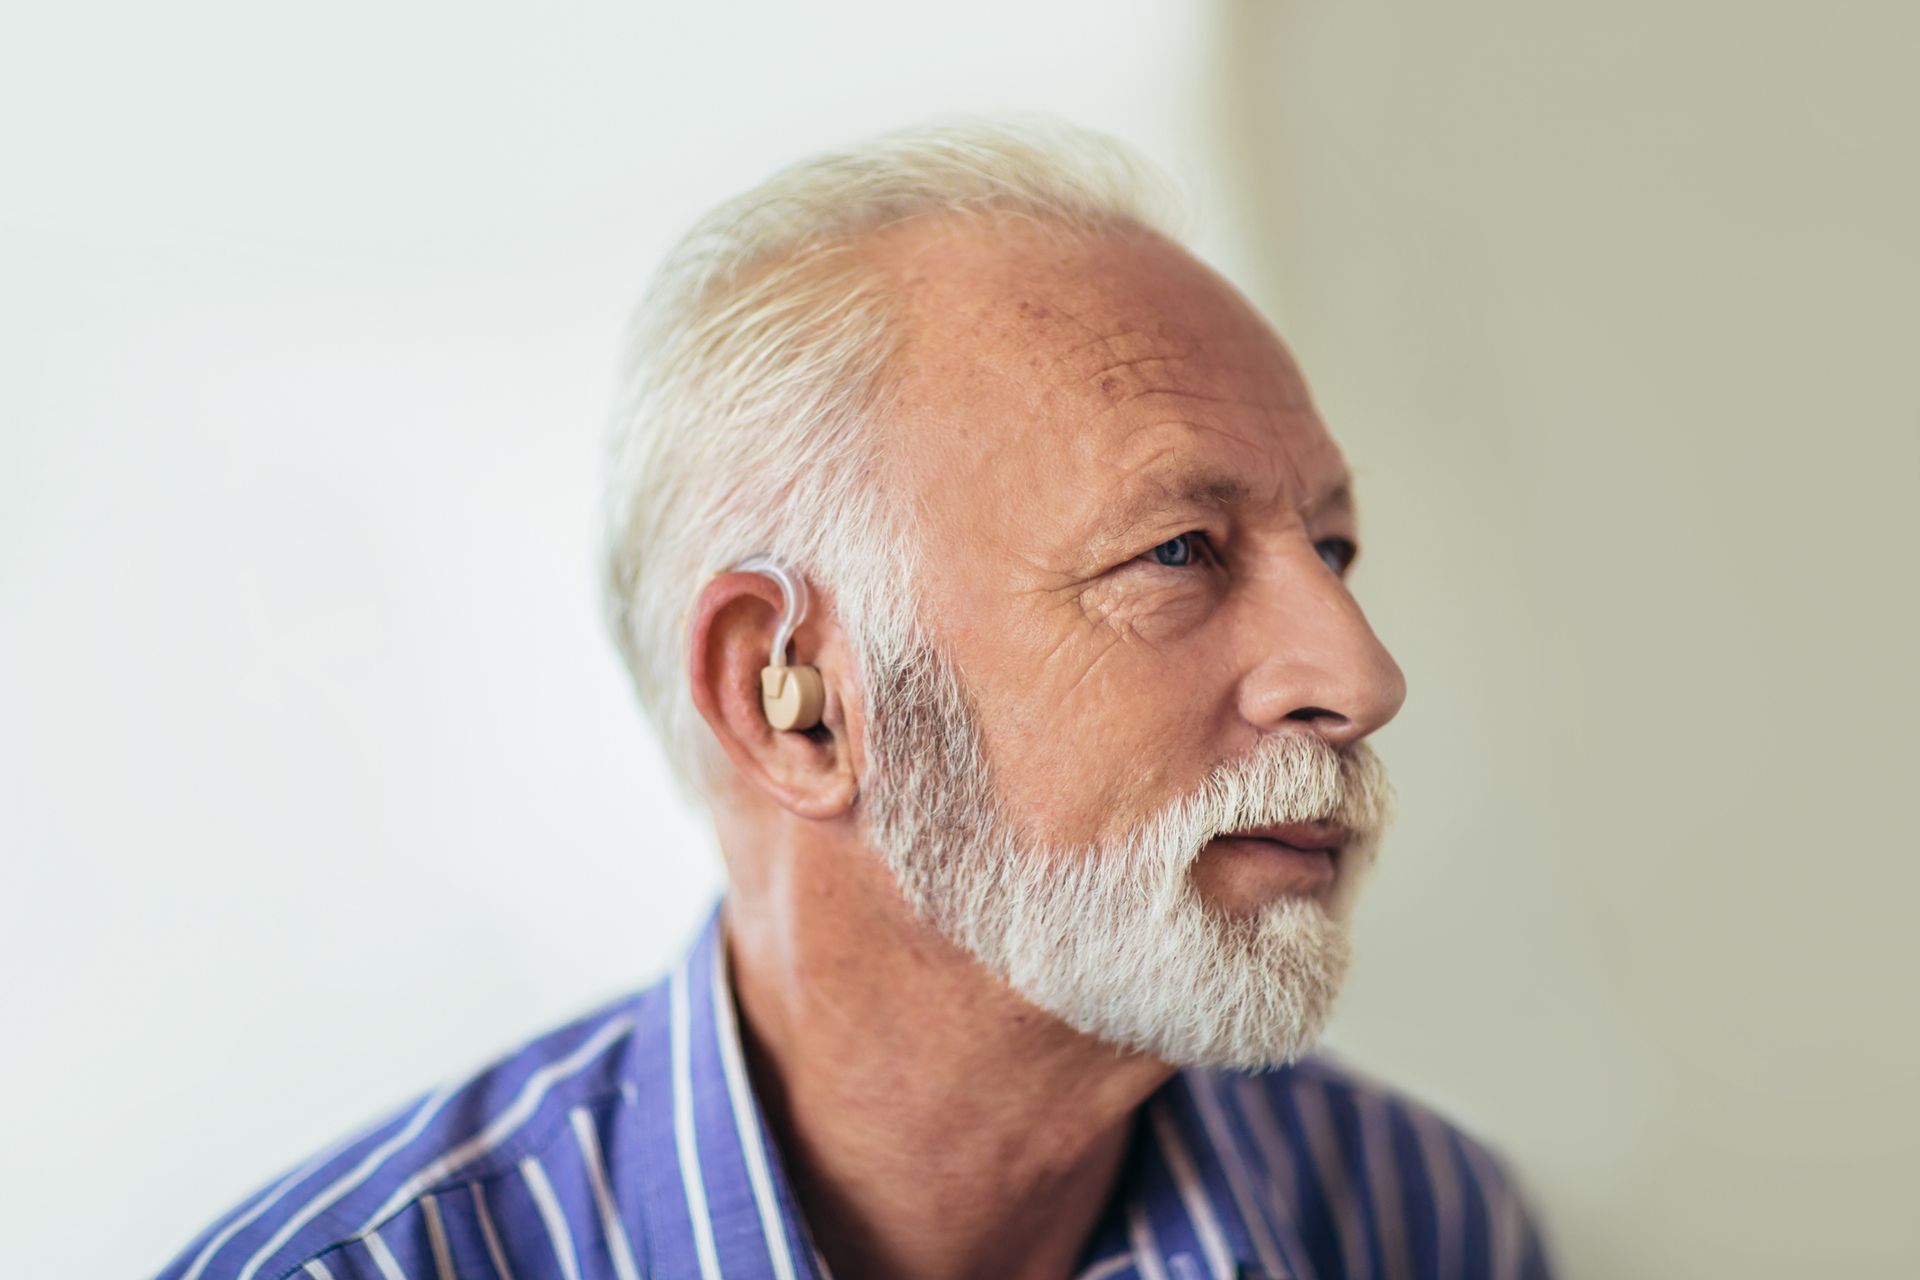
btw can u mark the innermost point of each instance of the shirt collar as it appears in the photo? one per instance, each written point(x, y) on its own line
point(1194, 1201)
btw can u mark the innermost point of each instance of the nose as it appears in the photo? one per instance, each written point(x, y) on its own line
point(1316, 658)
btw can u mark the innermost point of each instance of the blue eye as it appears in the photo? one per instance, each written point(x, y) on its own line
point(1342, 557)
point(1189, 548)
point(1175, 552)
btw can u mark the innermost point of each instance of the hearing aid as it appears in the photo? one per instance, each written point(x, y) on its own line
point(792, 696)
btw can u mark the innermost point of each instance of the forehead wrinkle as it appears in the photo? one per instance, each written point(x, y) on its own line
point(1132, 347)
point(1083, 337)
point(1209, 371)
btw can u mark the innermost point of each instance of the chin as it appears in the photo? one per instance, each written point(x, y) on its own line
point(1201, 990)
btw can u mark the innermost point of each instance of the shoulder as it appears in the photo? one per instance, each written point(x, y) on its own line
point(414, 1173)
point(1373, 1171)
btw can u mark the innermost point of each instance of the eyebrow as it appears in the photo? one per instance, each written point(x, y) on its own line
point(1192, 488)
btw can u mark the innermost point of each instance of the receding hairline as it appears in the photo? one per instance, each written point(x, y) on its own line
point(757, 367)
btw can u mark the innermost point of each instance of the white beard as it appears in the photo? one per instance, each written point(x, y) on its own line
point(1113, 937)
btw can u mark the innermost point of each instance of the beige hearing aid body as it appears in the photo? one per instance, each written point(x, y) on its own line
point(791, 696)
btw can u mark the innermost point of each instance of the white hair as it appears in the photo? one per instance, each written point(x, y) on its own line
point(757, 371)
point(1113, 937)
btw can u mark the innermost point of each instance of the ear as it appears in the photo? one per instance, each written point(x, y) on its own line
point(810, 773)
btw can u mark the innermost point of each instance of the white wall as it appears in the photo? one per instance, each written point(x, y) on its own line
point(318, 782)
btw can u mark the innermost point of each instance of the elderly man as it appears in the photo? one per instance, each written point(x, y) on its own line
point(983, 561)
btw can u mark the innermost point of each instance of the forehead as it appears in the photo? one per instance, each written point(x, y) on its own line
point(1043, 379)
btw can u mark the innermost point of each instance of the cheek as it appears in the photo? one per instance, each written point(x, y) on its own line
point(1118, 721)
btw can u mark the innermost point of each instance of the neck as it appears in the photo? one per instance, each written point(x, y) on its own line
point(934, 1124)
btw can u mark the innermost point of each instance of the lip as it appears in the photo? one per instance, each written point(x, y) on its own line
point(1250, 867)
point(1308, 837)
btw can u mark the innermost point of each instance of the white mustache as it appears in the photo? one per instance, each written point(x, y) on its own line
point(1289, 778)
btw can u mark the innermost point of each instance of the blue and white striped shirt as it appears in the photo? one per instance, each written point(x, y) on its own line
point(629, 1144)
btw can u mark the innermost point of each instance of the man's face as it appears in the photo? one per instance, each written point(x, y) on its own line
point(1136, 527)
point(1135, 638)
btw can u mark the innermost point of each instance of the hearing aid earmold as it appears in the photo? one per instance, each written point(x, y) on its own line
point(792, 696)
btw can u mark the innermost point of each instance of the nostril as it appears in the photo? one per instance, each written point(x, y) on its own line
point(1314, 713)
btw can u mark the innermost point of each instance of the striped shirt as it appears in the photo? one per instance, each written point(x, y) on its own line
point(629, 1143)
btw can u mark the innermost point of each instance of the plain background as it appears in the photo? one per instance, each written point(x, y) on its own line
point(319, 783)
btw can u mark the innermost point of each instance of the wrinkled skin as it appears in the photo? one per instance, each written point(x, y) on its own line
point(1056, 399)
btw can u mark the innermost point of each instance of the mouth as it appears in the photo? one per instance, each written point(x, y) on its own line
point(1296, 858)
point(1302, 837)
